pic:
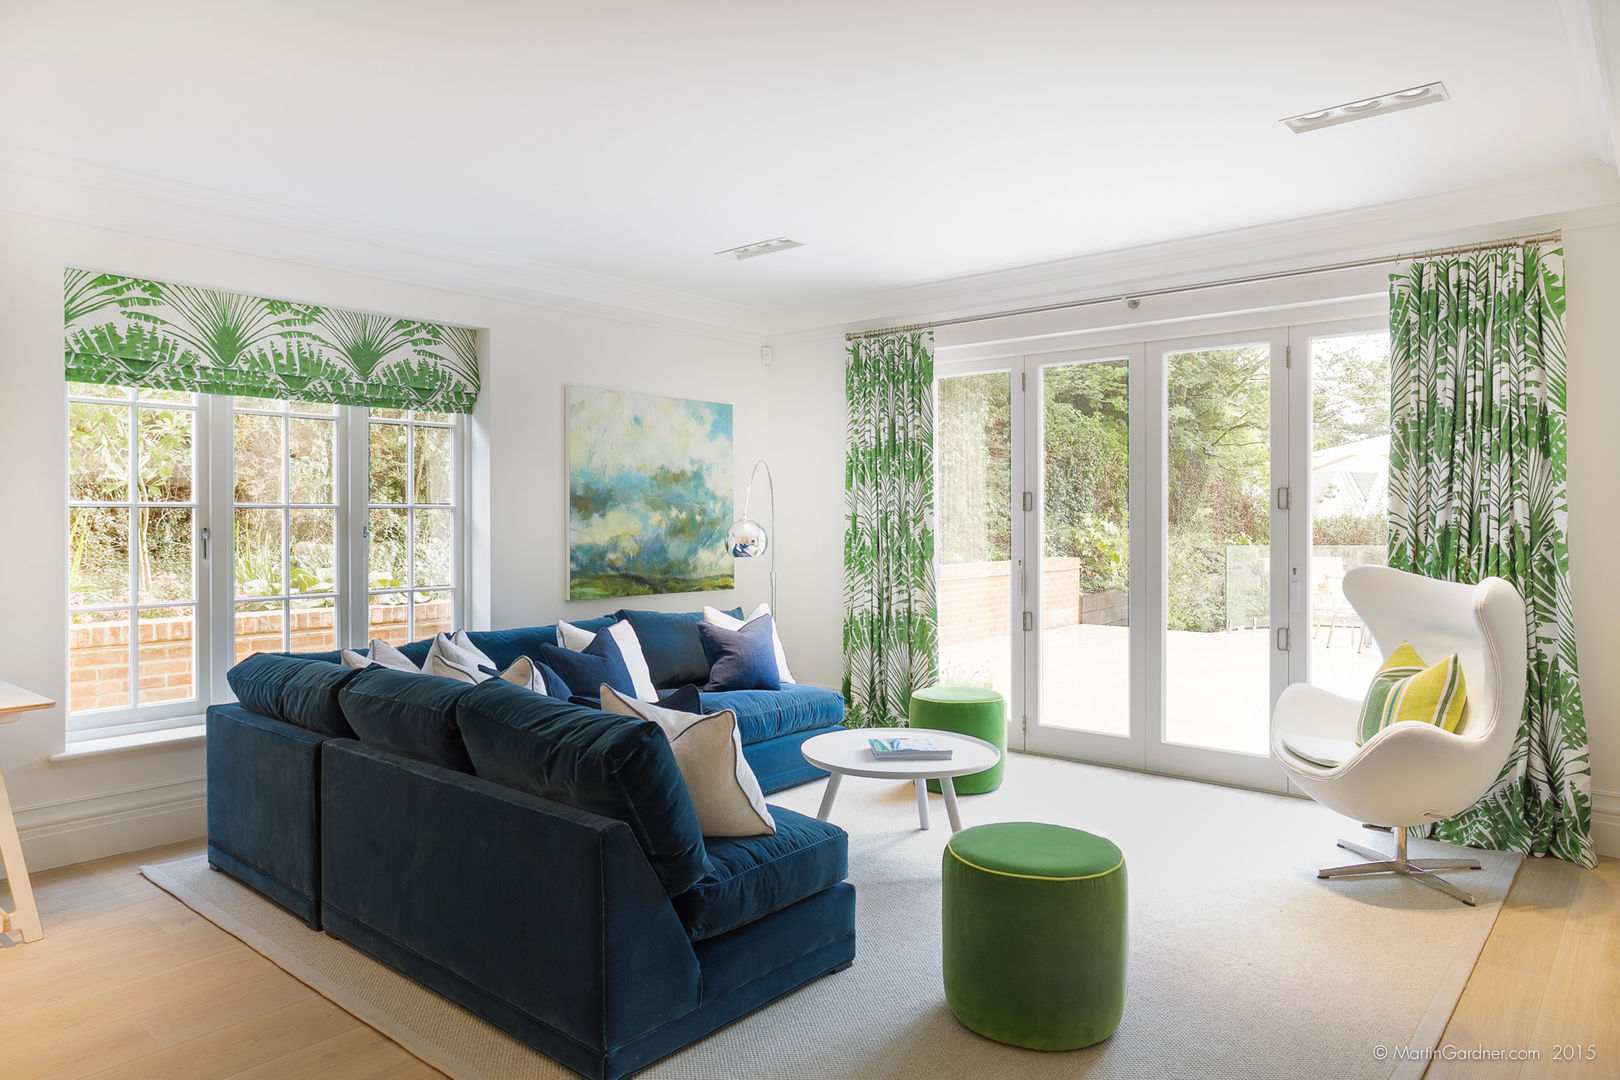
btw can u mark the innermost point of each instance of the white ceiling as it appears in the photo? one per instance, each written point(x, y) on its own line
point(902, 142)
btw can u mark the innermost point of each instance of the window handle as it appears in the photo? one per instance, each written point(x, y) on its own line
point(205, 543)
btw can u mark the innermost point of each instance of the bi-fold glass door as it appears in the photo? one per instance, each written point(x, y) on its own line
point(1125, 538)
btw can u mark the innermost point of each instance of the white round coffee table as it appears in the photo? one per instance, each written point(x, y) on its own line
point(844, 753)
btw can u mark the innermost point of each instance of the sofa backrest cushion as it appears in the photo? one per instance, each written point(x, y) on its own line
point(669, 640)
point(412, 715)
point(505, 646)
point(309, 698)
point(608, 765)
point(257, 682)
point(293, 689)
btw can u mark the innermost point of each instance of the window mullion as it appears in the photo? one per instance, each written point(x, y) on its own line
point(410, 528)
point(356, 459)
point(222, 539)
point(286, 530)
point(133, 519)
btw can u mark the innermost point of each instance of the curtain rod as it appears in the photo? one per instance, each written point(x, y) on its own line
point(1131, 299)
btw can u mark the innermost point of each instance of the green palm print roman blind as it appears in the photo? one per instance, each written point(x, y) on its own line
point(891, 643)
point(1477, 488)
point(132, 331)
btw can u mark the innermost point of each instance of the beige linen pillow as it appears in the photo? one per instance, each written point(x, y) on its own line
point(708, 751)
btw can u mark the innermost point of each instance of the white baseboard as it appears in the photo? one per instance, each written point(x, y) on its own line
point(111, 823)
point(1606, 823)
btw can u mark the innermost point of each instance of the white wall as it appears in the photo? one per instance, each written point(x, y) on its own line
point(807, 457)
point(1592, 334)
point(83, 808)
point(806, 386)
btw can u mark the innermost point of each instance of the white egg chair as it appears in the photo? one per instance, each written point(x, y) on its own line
point(1412, 773)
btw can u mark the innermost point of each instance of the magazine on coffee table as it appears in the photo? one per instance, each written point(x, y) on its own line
point(909, 748)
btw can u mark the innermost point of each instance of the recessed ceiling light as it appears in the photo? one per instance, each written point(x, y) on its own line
point(759, 247)
point(1427, 94)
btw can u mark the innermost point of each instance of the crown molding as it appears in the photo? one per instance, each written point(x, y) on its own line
point(1585, 196)
point(82, 192)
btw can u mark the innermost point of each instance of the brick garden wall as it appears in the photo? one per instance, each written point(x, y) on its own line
point(98, 657)
point(974, 600)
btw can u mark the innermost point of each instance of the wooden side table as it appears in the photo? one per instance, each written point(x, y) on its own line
point(13, 702)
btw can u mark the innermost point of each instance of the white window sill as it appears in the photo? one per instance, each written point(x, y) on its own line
point(138, 740)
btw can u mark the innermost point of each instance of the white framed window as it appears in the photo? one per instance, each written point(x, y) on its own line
point(204, 528)
point(285, 568)
point(413, 523)
point(137, 623)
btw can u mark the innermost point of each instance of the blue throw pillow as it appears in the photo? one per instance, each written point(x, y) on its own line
point(586, 671)
point(741, 659)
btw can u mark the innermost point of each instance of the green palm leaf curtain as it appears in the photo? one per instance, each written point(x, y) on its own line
point(891, 617)
point(131, 331)
point(1477, 488)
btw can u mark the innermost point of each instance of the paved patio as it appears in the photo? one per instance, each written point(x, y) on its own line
point(1216, 684)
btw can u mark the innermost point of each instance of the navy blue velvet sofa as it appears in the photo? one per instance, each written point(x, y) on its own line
point(535, 861)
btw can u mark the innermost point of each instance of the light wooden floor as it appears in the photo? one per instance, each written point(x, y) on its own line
point(128, 982)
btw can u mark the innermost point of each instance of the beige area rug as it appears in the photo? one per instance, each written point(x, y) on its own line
point(1243, 963)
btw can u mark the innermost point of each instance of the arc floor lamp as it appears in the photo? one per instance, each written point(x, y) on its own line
point(747, 538)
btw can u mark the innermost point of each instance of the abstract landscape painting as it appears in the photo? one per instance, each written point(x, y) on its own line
point(650, 486)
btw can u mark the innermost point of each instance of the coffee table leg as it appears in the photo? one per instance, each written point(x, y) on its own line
point(828, 796)
point(948, 789)
point(922, 801)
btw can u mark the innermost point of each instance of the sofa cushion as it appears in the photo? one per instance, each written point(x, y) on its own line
point(710, 756)
point(742, 659)
point(309, 698)
point(756, 875)
point(257, 682)
point(585, 672)
point(535, 676)
point(624, 639)
point(585, 758)
point(765, 714)
point(670, 641)
point(505, 646)
point(410, 715)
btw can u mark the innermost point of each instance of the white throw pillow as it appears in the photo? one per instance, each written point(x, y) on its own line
point(457, 658)
point(715, 617)
point(624, 636)
point(708, 751)
point(382, 655)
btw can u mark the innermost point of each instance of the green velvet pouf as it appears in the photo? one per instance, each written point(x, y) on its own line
point(966, 710)
point(1035, 934)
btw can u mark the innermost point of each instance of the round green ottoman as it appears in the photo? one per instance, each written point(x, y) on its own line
point(966, 710)
point(1035, 946)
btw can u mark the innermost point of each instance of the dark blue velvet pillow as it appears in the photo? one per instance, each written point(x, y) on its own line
point(585, 672)
point(610, 765)
point(556, 685)
point(687, 699)
point(741, 659)
point(670, 641)
point(410, 715)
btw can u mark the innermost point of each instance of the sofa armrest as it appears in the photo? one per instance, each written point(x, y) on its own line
point(552, 910)
point(264, 806)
